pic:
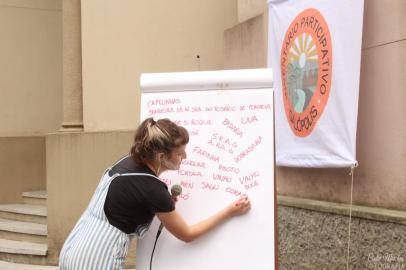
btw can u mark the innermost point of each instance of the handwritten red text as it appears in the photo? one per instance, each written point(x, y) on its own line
point(248, 119)
point(209, 186)
point(162, 102)
point(222, 178)
point(256, 107)
point(248, 150)
point(189, 173)
point(199, 151)
point(233, 127)
point(193, 163)
point(229, 169)
point(187, 184)
point(233, 191)
point(249, 181)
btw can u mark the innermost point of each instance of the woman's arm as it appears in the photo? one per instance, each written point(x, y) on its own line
point(176, 225)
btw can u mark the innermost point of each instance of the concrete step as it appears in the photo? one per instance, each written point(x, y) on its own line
point(14, 266)
point(23, 227)
point(24, 212)
point(23, 259)
point(38, 197)
point(20, 247)
point(23, 231)
point(23, 252)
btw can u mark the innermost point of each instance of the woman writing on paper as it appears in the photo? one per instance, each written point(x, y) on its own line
point(129, 195)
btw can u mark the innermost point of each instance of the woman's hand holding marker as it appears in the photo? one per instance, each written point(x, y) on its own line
point(240, 206)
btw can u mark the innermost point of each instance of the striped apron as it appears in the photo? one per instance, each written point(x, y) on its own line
point(94, 244)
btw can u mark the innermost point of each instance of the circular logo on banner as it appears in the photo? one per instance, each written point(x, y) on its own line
point(306, 69)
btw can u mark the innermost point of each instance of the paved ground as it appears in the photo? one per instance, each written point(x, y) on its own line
point(14, 266)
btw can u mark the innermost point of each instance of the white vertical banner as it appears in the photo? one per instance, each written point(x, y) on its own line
point(314, 49)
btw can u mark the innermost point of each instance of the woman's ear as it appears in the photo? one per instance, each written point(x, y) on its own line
point(160, 157)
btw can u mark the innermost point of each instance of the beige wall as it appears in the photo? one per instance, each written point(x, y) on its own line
point(380, 179)
point(248, 9)
point(75, 163)
point(245, 44)
point(30, 67)
point(121, 39)
point(22, 167)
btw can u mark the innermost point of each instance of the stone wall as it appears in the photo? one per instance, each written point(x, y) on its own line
point(318, 239)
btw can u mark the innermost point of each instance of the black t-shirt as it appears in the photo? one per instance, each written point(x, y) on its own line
point(133, 200)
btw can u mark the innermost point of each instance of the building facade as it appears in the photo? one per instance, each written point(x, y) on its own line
point(70, 102)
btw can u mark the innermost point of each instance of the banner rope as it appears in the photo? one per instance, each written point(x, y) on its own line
point(349, 222)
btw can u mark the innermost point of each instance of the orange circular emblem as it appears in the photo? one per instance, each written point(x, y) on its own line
point(306, 70)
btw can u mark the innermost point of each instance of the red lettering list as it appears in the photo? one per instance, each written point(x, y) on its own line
point(210, 186)
point(187, 184)
point(221, 178)
point(233, 191)
point(161, 110)
point(248, 120)
point(256, 107)
point(193, 163)
point(229, 169)
point(247, 178)
point(160, 102)
point(233, 127)
point(189, 173)
point(199, 151)
point(248, 150)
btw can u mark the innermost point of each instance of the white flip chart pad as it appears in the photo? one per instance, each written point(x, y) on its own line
point(230, 119)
